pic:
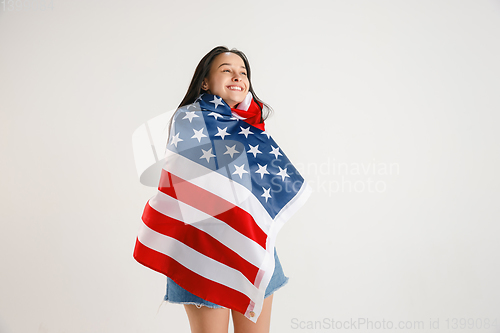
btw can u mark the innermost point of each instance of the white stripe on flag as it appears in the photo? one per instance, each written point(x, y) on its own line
point(289, 209)
point(242, 245)
point(198, 263)
point(226, 188)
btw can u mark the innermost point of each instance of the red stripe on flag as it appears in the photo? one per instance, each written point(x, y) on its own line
point(198, 240)
point(213, 205)
point(207, 289)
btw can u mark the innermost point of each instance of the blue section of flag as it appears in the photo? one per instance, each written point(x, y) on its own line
point(207, 133)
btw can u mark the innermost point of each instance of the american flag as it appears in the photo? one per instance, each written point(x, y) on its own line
point(226, 189)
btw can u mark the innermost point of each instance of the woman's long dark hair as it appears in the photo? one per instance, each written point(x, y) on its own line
point(202, 71)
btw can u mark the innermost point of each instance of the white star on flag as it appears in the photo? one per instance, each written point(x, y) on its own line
point(198, 134)
point(275, 152)
point(215, 115)
point(231, 151)
point(190, 115)
point(222, 132)
point(175, 139)
point(265, 133)
point(266, 194)
point(282, 173)
point(245, 131)
point(240, 170)
point(254, 150)
point(217, 101)
point(262, 170)
point(207, 154)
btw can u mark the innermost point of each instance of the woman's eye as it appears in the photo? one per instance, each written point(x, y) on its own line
point(243, 73)
point(225, 70)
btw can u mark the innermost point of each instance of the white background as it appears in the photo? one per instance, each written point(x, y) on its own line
point(411, 85)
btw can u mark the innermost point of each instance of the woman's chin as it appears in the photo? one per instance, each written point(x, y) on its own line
point(235, 98)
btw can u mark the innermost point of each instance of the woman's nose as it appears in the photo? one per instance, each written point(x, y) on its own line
point(236, 78)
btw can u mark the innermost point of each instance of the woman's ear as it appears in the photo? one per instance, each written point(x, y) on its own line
point(204, 84)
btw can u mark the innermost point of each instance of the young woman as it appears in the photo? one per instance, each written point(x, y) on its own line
point(218, 145)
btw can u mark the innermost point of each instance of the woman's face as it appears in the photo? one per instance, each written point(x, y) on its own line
point(227, 78)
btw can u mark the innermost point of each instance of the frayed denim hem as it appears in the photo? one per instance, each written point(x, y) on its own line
point(198, 305)
point(275, 289)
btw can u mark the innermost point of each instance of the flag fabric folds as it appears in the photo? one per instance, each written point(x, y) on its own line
point(225, 190)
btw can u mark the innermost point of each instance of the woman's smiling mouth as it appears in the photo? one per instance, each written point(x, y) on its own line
point(237, 88)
